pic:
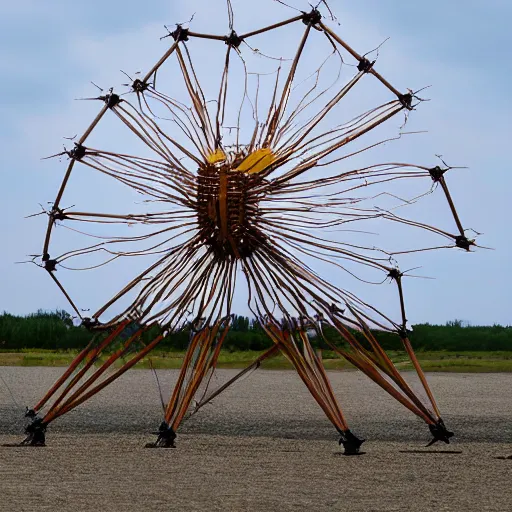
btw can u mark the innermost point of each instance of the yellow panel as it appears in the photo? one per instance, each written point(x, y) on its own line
point(257, 161)
point(217, 156)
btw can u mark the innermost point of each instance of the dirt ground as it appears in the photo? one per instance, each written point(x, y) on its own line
point(263, 445)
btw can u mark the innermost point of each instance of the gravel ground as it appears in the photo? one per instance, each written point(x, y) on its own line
point(263, 445)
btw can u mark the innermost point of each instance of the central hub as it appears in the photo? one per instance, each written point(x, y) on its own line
point(228, 193)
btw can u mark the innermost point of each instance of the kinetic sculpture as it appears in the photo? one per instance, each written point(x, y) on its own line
point(258, 200)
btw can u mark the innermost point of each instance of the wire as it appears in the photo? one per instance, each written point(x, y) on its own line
point(157, 384)
point(10, 392)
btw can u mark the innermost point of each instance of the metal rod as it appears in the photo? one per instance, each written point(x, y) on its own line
point(66, 294)
point(452, 205)
point(358, 58)
point(87, 132)
point(271, 27)
point(206, 36)
point(165, 56)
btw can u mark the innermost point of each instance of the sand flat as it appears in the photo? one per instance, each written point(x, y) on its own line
point(262, 445)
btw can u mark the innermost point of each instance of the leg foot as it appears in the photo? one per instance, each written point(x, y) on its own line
point(351, 443)
point(166, 437)
point(36, 433)
point(440, 433)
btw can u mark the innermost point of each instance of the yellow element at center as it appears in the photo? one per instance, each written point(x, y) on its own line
point(217, 156)
point(257, 161)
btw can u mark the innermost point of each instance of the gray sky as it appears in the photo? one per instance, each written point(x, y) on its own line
point(50, 51)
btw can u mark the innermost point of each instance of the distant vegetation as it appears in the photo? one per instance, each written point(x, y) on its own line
point(55, 331)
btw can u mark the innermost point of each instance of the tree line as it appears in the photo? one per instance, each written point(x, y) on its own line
point(55, 330)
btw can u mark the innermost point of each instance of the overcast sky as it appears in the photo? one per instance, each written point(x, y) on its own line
point(50, 51)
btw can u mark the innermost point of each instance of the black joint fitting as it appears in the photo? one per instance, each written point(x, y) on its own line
point(166, 437)
point(112, 100)
point(311, 18)
point(233, 39)
point(403, 333)
point(30, 413)
point(440, 433)
point(351, 443)
point(333, 308)
point(139, 86)
point(36, 433)
point(436, 173)
point(45, 257)
point(78, 152)
point(463, 242)
point(57, 214)
point(395, 274)
point(90, 323)
point(180, 34)
point(406, 100)
point(50, 265)
point(365, 65)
